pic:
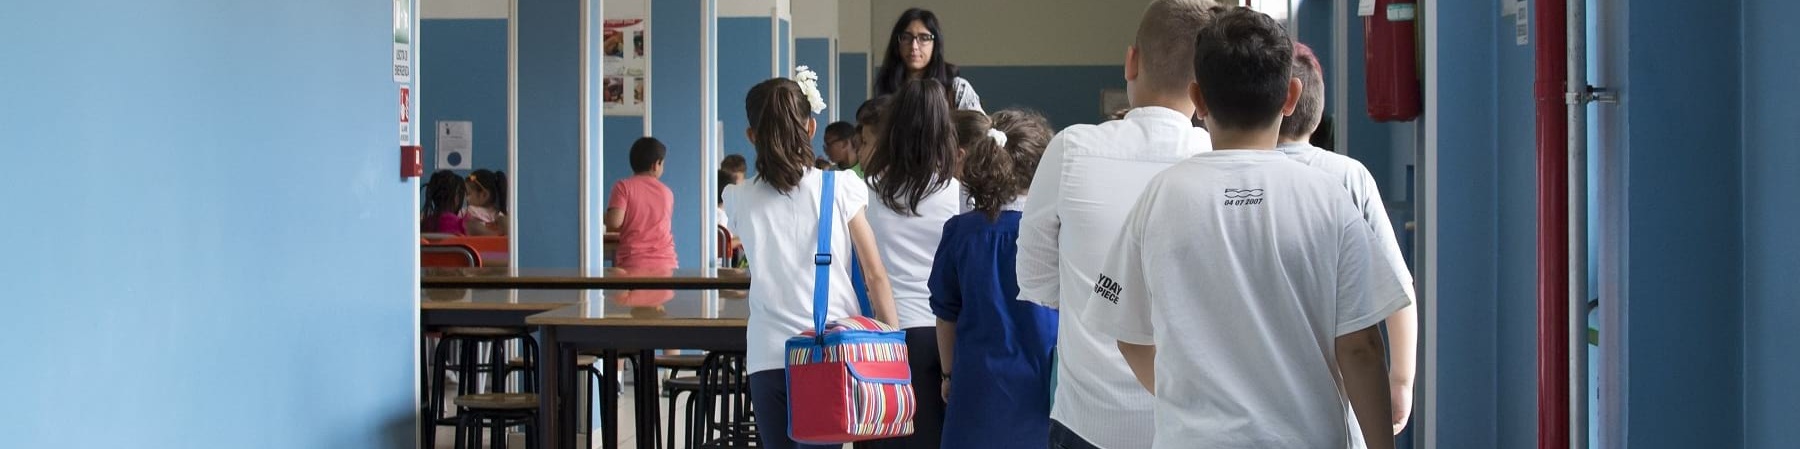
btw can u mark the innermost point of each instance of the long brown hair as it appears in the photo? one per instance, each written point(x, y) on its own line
point(916, 156)
point(778, 113)
point(996, 175)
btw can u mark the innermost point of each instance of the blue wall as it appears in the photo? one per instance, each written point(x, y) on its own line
point(219, 249)
point(815, 53)
point(1467, 227)
point(1684, 244)
point(676, 118)
point(465, 60)
point(549, 176)
point(853, 84)
point(744, 49)
point(1515, 167)
point(1771, 253)
point(1067, 95)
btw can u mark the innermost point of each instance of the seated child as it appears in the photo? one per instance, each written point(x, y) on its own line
point(485, 213)
point(995, 349)
point(640, 210)
point(443, 198)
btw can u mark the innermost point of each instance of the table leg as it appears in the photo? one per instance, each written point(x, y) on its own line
point(609, 399)
point(649, 418)
point(554, 363)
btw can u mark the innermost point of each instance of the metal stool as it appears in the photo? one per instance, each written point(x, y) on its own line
point(468, 340)
point(497, 411)
point(725, 419)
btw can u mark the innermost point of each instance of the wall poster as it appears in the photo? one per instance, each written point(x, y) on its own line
point(625, 63)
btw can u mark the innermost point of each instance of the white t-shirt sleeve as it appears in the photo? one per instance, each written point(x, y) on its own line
point(1121, 304)
point(852, 195)
point(1358, 307)
point(1392, 277)
point(1040, 225)
point(966, 98)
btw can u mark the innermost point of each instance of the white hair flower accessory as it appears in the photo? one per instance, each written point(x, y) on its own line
point(998, 136)
point(809, 84)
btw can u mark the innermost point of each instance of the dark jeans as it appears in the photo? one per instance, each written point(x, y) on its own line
point(769, 397)
point(1063, 438)
point(928, 386)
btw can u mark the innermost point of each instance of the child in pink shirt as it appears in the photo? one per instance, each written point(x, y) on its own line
point(639, 210)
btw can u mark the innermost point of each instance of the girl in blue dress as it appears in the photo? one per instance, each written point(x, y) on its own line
point(995, 349)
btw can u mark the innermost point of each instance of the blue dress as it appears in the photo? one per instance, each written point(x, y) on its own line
point(1000, 386)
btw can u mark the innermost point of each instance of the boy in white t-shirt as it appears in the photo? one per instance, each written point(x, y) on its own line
point(1391, 275)
point(1238, 287)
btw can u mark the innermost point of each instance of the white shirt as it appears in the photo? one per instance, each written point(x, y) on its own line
point(1084, 186)
point(1242, 267)
point(908, 244)
point(780, 236)
point(1392, 276)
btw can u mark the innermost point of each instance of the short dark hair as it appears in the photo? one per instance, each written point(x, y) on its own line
point(839, 131)
point(734, 163)
point(1307, 112)
point(645, 153)
point(1241, 63)
point(873, 113)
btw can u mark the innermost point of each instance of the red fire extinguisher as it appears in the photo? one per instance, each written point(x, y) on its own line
point(1390, 49)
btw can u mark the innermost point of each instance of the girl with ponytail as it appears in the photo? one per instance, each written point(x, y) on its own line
point(776, 216)
point(997, 348)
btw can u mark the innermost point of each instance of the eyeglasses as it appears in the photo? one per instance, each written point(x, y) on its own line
point(909, 39)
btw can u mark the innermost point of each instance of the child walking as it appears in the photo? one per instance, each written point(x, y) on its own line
point(994, 348)
point(777, 218)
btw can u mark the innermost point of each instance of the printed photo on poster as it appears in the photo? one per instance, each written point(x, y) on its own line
point(625, 52)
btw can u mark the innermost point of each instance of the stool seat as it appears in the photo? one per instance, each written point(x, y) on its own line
point(498, 401)
point(473, 331)
point(580, 360)
point(683, 383)
point(685, 361)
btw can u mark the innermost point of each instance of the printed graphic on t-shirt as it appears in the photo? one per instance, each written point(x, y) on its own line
point(1107, 288)
point(1243, 197)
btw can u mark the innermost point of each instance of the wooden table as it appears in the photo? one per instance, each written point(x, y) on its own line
point(575, 279)
point(637, 322)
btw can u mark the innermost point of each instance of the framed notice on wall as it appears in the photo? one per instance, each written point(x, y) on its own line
point(626, 59)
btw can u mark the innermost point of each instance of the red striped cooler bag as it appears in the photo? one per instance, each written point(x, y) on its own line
point(848, 381)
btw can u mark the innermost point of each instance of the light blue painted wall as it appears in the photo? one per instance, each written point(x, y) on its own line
point(1685, 242)
point(815, 53)
point(854, 83)
point(1771, 253)
point(1067, 95)
point(676, 120)
point(219, 251)
point(1515, 167)
point(744, 50)
point(549, 177)
point(1468, 228)
point(466, 60)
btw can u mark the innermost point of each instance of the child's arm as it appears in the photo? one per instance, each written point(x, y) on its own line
point(1142, 361)
point(881, 295)
point(946, 331)
point(615, 217)
point(1403, 336)
point(1362, 360)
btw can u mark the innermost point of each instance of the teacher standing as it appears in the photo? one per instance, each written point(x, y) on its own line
point(915, 50)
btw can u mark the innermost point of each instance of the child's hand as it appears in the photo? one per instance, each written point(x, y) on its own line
point(1401, 396)
point(945, 392)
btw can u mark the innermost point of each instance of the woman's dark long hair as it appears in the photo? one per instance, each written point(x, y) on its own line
point(916, 155)
point(778, 112)
point(893, 70)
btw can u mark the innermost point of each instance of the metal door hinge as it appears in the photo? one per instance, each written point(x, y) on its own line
point(1592, 94)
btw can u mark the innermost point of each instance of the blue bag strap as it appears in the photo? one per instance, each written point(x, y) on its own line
point(822, 258)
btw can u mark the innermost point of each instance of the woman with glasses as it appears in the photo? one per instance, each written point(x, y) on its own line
point(915, 50)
